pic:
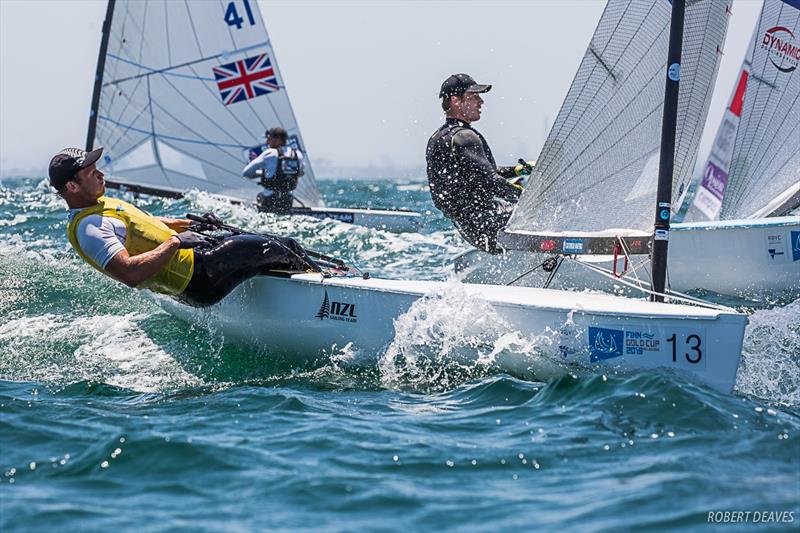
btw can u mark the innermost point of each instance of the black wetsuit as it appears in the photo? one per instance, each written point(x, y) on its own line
point(221, 267)
point(466, 184)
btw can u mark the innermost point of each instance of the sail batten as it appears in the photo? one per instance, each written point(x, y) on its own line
point(599, 165)
point(187, 93)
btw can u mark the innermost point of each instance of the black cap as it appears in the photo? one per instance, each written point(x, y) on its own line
point(278, 133)
point(458, 84)
point(68, 161)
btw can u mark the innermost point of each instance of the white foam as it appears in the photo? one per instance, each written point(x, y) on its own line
point(770, 367)
point(450, 337)
point(111, 349)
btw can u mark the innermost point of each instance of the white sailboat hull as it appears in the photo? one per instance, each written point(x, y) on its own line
point(389, 220)
point(307, 318)
point(757, 258)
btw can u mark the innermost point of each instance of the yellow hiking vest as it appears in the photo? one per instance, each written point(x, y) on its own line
point(144, 233)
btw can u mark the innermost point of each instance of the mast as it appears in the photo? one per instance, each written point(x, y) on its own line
point(98, 77)
point(667, 155)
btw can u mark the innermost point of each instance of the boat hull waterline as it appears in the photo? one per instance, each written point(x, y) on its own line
point(757, 258)
point(308, 317)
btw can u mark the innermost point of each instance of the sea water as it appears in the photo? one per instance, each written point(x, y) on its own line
point(117, 416)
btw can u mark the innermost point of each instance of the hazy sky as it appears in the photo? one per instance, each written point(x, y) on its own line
point(362, 76)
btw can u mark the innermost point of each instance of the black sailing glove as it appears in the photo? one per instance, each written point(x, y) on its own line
point(212, 219)
point(190, 239)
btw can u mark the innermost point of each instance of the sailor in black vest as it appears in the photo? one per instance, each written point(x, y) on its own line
point(278, 168)
point(465, 182)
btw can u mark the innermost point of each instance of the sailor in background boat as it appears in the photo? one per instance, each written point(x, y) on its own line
point(278, 168)
point(156, 253)
point(465, 182)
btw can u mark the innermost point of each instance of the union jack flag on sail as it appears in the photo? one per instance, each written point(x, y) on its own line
point(245, 79)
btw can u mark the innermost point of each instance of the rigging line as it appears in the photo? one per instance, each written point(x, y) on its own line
point(170, 137)
point(552, 275)
point(673, 295)
point(527, 272)
point(194, 30)
point(121, 134)
point(209, 142)
point(206, 142)
point(584, 87)
point(200, 110)
point(128, 102)
point(592, 102)
point(166, 70)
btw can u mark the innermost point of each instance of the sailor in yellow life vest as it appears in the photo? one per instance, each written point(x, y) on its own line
point(156, 253)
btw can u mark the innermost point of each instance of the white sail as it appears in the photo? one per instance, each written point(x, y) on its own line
point(599, 166)
point(188, 89)
point(703, 199)
point(766, 154)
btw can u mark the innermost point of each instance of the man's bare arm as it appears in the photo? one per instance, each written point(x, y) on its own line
point(133, 270)
point(177, 224)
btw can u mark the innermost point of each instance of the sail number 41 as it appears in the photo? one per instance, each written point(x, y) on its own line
point(232, 17)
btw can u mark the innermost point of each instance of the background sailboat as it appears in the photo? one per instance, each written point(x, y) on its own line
point(184, 92)
point(753, 169)
point(605, 171)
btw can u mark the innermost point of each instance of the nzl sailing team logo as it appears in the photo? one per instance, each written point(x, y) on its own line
point(782, 48)
point(333, 310)
point(604, 343)
point(245, 79)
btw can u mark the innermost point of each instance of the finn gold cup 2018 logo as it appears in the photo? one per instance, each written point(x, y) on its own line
point(782, 47)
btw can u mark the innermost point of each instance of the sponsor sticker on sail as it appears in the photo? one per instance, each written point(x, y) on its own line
point(782, 47)
point(712, 190)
